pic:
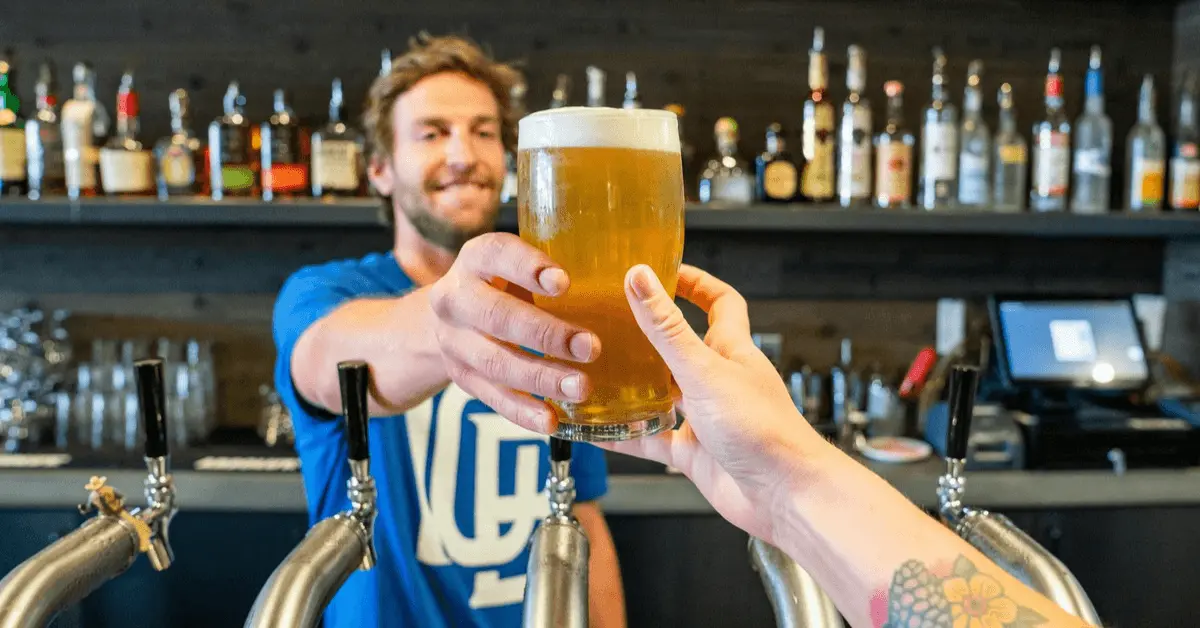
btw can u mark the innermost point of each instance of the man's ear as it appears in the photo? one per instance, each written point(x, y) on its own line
point(382, 176)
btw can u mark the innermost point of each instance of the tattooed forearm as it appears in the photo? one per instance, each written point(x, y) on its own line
point(965, 598)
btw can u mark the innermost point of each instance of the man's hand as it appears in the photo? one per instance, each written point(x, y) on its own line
point(481, 329)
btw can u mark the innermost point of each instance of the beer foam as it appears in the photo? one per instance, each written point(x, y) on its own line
point(600, 127)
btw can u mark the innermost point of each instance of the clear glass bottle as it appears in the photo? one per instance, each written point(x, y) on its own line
point(854, 135)
point(337, 153)
point(1145, 155)
point(776, 176)
point(1051, 146)
point(631, 92)
point(13, 176)
point(1185, 158)
point(126, 165)
point(975, 144)
point(232, 170)
point(43, 140)
point(385, 62)
point(562, 91)
point(893, 153)
point(595, 86)
point(1010, 158)
point(80, 121)
point(816, 180)
point(284, 172)
point(1092, 165)
point(178, 155)
point(726, 179)
point(939, 143)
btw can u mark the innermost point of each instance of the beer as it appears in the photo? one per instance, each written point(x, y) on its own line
point(600, 191)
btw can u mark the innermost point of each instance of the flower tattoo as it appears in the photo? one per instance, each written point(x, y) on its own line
point(966, 598)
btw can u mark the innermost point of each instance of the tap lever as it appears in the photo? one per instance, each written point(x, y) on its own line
point(961, 402)
point(355, 378)
point(152, 404)
point(560, 450)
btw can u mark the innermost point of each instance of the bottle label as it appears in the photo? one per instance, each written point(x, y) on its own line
point(1092, 161)
point(1185, 182)
point(1012, 154)
point(733, 189)
point(940, 147)
point(973, 179)
point(12, 154)
point(893, 167)
point(817, 180)
point(44, 152)
point(856, 175)
point(126, 171)
point(237, 178)
point(779, 180)
point(79, 156)
point(1052, 168)
point(285, 177)
point(177, 166)
point(1147, 182)
point(336, 165)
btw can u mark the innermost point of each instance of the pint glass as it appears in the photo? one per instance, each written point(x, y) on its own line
point(601, 190)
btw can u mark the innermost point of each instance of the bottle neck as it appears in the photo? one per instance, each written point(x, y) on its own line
point(1095, 92)
point(818, 73)
point(1146, 109)
point(775, 144)
point(1187, 112)
point(127, 115)
point(972, 102)
point(1054, 99)
point(727, 146)
point(335, 112)
point(895, 111)
point(178, 122)
point(1008, 120)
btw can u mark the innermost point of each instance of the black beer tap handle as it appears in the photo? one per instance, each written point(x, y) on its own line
point(152, 405)
point(355, 378)
point(961, 402)
point(560, 450)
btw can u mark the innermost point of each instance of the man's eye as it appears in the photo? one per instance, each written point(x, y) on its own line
point(429, 136)
point(487, 133)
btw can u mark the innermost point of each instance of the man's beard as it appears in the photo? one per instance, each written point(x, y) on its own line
point(440, 232)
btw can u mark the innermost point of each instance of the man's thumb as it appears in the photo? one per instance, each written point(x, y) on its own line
point(663, 323)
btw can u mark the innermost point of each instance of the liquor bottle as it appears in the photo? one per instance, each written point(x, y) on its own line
point(178, 155)
point(13, 177)
point(726, 178)
point(975, 144)
point(1093, 146)
point(776, 178)
point(126, 166)
point(854, 136)
point(231, 166)
point(1145, 155)
point(687, 151)
point(1051, 146)
point(631, 92)
point(43, 140)
point(845, 385)
point(80, 122)
point(337, 153)
point(595, 86)
point(893, 153)
point(816, 180)
point(284, 172)
point(1185, 158)
point(508, 191)
point(562, 92)
point(939, 143)
point(1010, 159)
point(385, 62)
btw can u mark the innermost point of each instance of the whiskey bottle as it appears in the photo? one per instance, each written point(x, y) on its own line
point(1092, 165)
point(284, 172)
point(894, 153)
point(854, 135)
point(126, 166)
point(337, 153)
point(562, 92)
point(1185, 158)
point(1051, 146)
point(43, 140)
point(939, 143)
point(1010, 158)
point(179, 154)
point(816, 182)
point(1145, 153)
point(726, 179)
point(13, 177)
point(231, 167)
point(82, 121)
point(975, 144)
point(777, 180)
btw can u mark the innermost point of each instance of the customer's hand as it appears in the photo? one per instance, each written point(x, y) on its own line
point(481, 326)
point(743, 440)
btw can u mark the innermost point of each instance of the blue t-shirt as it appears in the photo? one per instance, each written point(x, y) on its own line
point(460, 488)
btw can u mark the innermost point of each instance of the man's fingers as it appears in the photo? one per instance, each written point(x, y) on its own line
point(506, 256)
point(474, 304)
point(726, 308)
point(529, 413)
point(468, 350)
point(663, 323)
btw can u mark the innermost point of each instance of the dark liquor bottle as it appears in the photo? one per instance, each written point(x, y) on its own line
point(232, 169)
point(337, 153)
point(179, 154)
point(126, 166)
point(13, 179)
point(43, 140)
point(817, 183)
point(284, 172)
point(777, 179)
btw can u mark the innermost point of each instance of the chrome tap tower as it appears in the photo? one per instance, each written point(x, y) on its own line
point(556, 588)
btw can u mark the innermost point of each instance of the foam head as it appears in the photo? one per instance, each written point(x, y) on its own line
point(600, 127)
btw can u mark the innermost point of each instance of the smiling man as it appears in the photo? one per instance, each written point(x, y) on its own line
point(460, 489)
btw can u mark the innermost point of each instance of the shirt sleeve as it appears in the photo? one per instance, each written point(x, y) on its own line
point(589, 467)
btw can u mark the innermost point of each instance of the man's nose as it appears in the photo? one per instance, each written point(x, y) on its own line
point(460, 151)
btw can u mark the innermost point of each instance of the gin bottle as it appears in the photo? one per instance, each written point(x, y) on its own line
point(1093, 146)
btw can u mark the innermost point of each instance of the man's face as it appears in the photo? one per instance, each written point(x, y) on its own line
point(447, 159)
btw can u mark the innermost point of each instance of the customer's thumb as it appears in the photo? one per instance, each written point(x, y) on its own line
point(663, 323)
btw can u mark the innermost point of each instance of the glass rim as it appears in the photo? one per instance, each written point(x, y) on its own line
point(600, 127)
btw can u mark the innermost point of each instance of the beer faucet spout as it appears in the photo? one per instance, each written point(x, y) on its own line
point(556, 585)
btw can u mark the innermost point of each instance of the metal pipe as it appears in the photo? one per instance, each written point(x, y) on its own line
point(556, 593)
point(66, 572)
point(301, 587)
point(797, 599)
